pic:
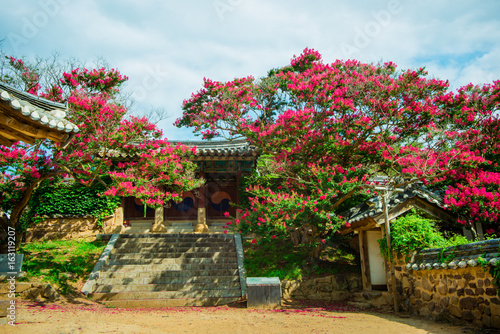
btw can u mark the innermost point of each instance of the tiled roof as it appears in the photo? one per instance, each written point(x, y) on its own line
point(236, 148)
point(373, 207)
point(457, 256)
point(211, 149)
point(42, 111)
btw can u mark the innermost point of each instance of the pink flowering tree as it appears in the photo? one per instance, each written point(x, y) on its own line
point(327, 130)
point(129, 150)
point(474, 193)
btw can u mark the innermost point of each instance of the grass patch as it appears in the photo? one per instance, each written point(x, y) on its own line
point(279, 258)
point(63, 263)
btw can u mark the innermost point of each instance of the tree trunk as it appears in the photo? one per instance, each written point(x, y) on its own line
point(305, 235)
point(13, 222)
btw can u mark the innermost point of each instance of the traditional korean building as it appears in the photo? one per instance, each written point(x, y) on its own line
point(222, 164)
point(27, 117)
point(367, 220)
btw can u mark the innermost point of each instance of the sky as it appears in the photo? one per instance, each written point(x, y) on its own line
point(166, 48)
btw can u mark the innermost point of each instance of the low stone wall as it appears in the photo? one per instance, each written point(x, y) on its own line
point(74, 227)
point(31, 291)
point(41, 292)
point(450, 284)
point(330, 288)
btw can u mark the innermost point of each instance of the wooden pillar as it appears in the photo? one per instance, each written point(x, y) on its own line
point(122, 205)
point(365, 265)
point(238, 176)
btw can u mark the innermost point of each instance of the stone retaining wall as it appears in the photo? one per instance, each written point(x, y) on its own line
point(41, 292)
point(74, 227)
point(451, 285)
point(31, 291)
point(330, 288)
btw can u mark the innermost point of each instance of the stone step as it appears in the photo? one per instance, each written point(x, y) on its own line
point(196, 287)
point(364, 296)
point(180, 274)
point(159, 270)
point(141, 223)
point(173, 249)
point(163, 303)
point(151, 245)
point(165, 267)
point(220, 223)
point(173, 255)
point(161, 261)
point(215, 231)
point(137, 230)
point(173, 236)
point(100, 296)
point(168, 280)
point(179, 230)
point(192, 224)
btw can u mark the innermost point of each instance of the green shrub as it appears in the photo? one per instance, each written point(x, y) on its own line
point(413, 232)
point(75, 200)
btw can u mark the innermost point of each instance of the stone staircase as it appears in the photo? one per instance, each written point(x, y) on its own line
point(217, 226)
point(139, 227)
point(371, 298)
point(181, 227)
point(164, 270)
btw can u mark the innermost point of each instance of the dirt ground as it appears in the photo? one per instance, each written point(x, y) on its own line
point(83, 316)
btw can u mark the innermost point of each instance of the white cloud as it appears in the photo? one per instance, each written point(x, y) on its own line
point(186, 41)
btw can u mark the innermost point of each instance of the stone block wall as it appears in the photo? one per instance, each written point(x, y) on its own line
point(329, 288)
point(30, 291)
point(74, 227)
point(450, 285)
point(40, 292)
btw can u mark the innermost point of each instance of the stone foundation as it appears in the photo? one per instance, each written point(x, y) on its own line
point(74, 227)
point(40, 292)
point(463, 294)
point(30, 291)
point(329, 288)
point(457, 290)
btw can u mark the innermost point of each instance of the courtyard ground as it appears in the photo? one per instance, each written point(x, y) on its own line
point(83, 316)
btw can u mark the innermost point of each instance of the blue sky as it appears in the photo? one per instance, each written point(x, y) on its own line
point(166, 48)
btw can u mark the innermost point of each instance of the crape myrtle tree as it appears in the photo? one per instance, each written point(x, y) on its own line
point(326, 131)
point(474, 193)
point(153, 171)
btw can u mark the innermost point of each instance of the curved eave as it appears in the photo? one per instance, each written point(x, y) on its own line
point(21, 120)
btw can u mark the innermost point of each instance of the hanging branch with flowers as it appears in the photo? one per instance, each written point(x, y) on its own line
point(130, 150)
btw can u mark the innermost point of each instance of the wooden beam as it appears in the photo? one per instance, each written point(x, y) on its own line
point(6, 142)
point(16, 134)
point(361, 225)
point(434, 210)
point(395, 212)
point(33, 129)
point(13, 123)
